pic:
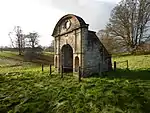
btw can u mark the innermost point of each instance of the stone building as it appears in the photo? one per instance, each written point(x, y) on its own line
point(76, 46)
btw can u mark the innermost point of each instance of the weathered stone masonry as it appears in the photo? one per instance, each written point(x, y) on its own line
point(76, 46)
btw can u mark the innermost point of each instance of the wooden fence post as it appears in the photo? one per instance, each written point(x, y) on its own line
point(127, 64)
point(50, 70)
point(79, 74)
point(62, 71)
point(42, 67)
point(115, 66)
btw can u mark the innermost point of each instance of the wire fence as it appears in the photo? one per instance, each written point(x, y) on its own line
point(126, 64)
point(79, 70)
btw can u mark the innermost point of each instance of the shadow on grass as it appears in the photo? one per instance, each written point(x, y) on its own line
point(38, 59)
point(16, 58)
point(127, 74)
point(42, 59)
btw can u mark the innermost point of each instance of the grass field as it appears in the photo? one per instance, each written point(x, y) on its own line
point(28, 90)
point(138, 62)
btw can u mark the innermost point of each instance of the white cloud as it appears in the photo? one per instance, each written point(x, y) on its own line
point(94, 12)
point(31, 16)
point(42, 15)
point(113, 1)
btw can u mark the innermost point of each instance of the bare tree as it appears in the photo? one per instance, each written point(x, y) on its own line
point(17, 39)
point(32, 50)
point(32, 39)
point(113, 45)
point(51, 48)
point(52, 44)
point(130, 21)
point(1, 48)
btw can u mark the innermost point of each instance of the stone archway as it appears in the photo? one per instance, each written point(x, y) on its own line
point(67, 58)
point(76, 64)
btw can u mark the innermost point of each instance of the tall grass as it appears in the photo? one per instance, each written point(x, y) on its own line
point(26, 89)
point(32, 92)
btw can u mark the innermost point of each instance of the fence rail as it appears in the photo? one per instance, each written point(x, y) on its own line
point(62, 69)
point(78, 70)
point(119, 62)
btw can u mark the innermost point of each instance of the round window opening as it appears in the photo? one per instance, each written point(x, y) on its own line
point(67, 24)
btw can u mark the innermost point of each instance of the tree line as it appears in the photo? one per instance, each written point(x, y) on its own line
point(26, 42)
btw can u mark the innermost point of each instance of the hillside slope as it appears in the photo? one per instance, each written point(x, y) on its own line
point(12, 62)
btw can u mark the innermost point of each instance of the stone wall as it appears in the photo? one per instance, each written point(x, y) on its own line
point(92, 55)
point(95, 54)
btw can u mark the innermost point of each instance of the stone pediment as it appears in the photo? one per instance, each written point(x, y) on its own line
point(67, 24)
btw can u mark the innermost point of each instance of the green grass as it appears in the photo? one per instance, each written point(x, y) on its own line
point(25, 89)
point(139, 62)
point(39, 92)
point(48, 53)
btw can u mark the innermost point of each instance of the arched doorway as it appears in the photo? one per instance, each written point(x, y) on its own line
point(76, 64)
point(67, 58)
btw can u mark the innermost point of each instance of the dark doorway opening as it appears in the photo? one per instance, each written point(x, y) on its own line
point(67, 58)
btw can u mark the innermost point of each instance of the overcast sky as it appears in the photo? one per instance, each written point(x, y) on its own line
point(42, 15)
